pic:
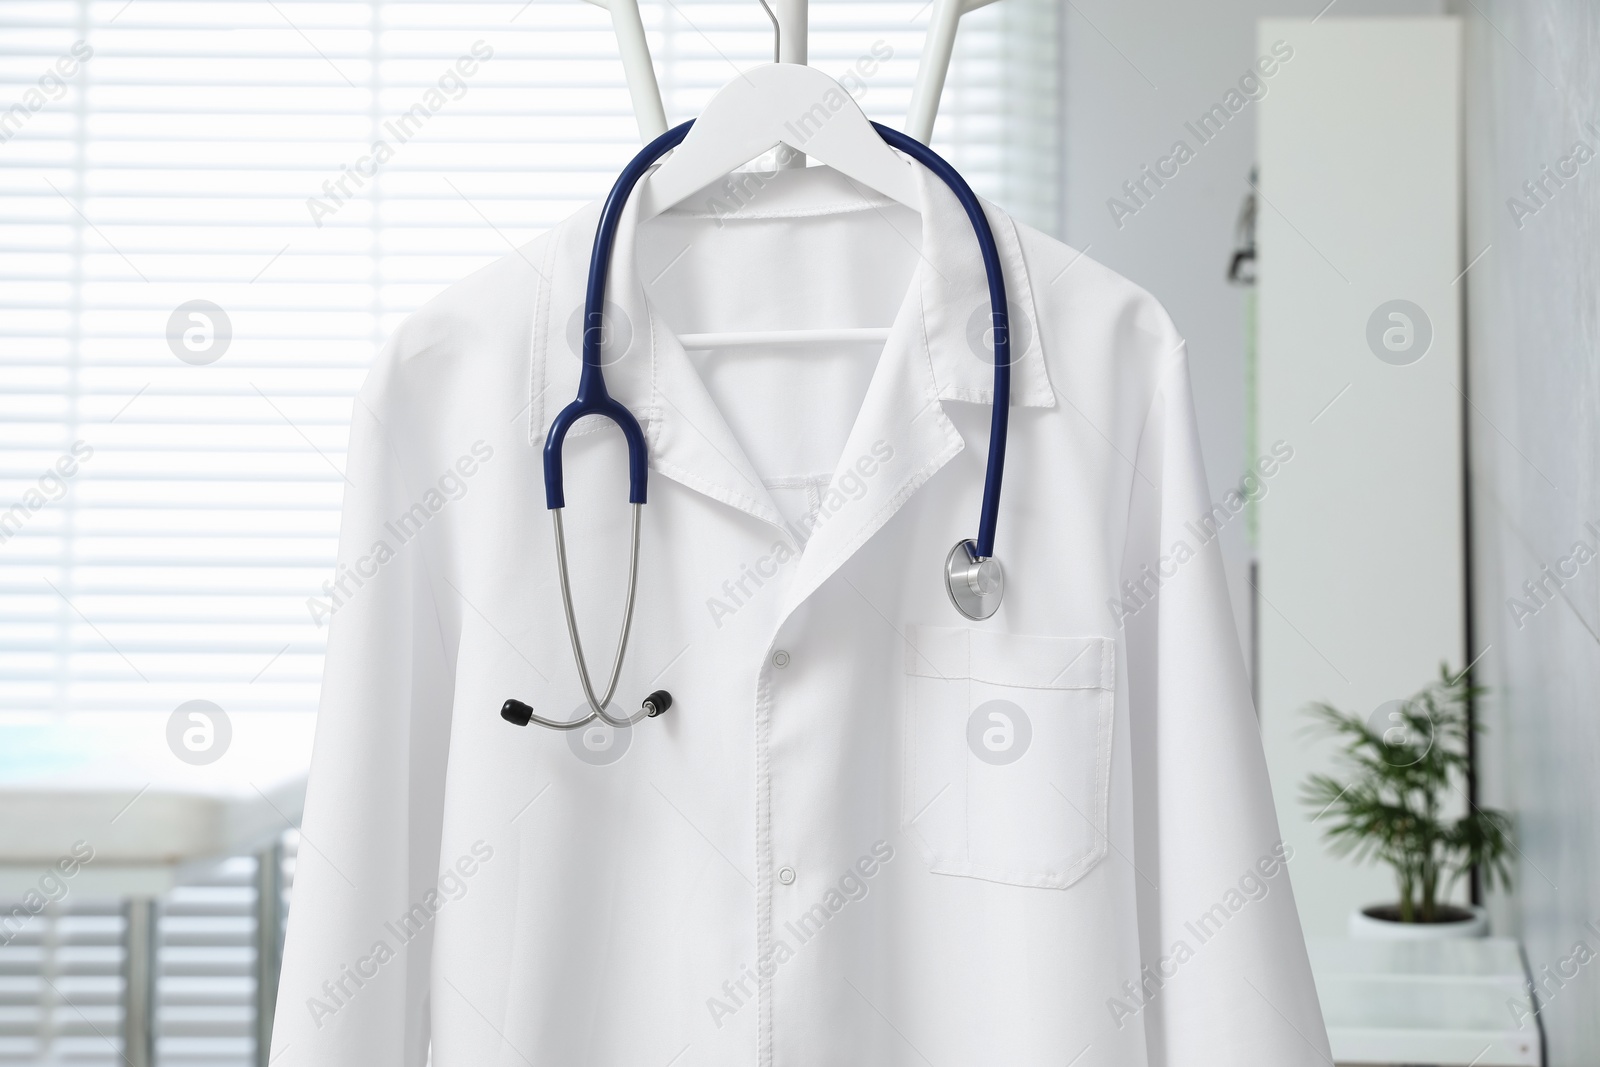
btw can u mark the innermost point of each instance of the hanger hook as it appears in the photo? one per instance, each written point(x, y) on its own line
point(777, 31)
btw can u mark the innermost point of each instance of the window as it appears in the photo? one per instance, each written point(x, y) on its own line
point(213, 213)
point(199, 268)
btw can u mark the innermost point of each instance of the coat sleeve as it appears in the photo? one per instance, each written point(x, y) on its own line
point(1226, 978)
point(354, 986)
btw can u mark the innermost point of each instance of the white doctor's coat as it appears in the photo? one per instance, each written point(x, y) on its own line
point(869, 831)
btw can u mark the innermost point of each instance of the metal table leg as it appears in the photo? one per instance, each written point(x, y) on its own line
point(269, 945)
point(139, 982)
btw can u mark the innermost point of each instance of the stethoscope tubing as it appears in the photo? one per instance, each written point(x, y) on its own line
point(1000, 319)
point(597, 708)
point(594, 399)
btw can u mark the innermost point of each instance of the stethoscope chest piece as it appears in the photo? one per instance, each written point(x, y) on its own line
point(976, 585)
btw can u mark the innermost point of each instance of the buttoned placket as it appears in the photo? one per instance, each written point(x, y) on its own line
point(764, 865)
point(902, 388)
point(691, 443)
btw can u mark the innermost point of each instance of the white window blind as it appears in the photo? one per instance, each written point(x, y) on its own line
point(164, 520)
point(167, 512)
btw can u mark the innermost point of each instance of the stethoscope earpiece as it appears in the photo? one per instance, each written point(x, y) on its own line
point(517, 713)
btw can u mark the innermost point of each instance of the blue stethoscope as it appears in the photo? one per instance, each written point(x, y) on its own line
point(973, 577)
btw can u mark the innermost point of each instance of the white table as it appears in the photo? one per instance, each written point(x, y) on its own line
point(111, 782)
point(1426, 1002)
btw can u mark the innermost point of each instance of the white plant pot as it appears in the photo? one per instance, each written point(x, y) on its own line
point(1364, 927)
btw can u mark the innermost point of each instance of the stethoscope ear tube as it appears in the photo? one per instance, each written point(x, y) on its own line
point(520, 714)
point(597, 708)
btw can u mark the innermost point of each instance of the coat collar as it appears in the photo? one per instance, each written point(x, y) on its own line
point(931, 357)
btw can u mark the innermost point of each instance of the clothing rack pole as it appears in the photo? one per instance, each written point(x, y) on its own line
point(935, 64)
point(794, 46)
point(794, 34)
point(628, 25)
point(794, 30)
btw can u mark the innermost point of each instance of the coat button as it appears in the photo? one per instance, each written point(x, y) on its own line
point(780, 659)
point(786, 875)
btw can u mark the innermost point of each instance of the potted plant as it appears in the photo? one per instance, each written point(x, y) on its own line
point(1403, 764)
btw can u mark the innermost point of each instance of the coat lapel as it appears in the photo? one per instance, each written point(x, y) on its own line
point(691, 443)
point(939, 350)
point(645, 368)
point(900, 438)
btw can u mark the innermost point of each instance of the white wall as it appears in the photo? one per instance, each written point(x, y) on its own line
point(1532, 77)
point(1362, 569)
point(1134, 74)
point(1533, 92)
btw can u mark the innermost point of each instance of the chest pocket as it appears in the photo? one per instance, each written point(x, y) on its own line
point(1008, 753)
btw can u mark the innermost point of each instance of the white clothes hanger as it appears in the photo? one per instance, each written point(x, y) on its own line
point(736, 338)
point(782, 104)
point(791, 15)
point(779, 104)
